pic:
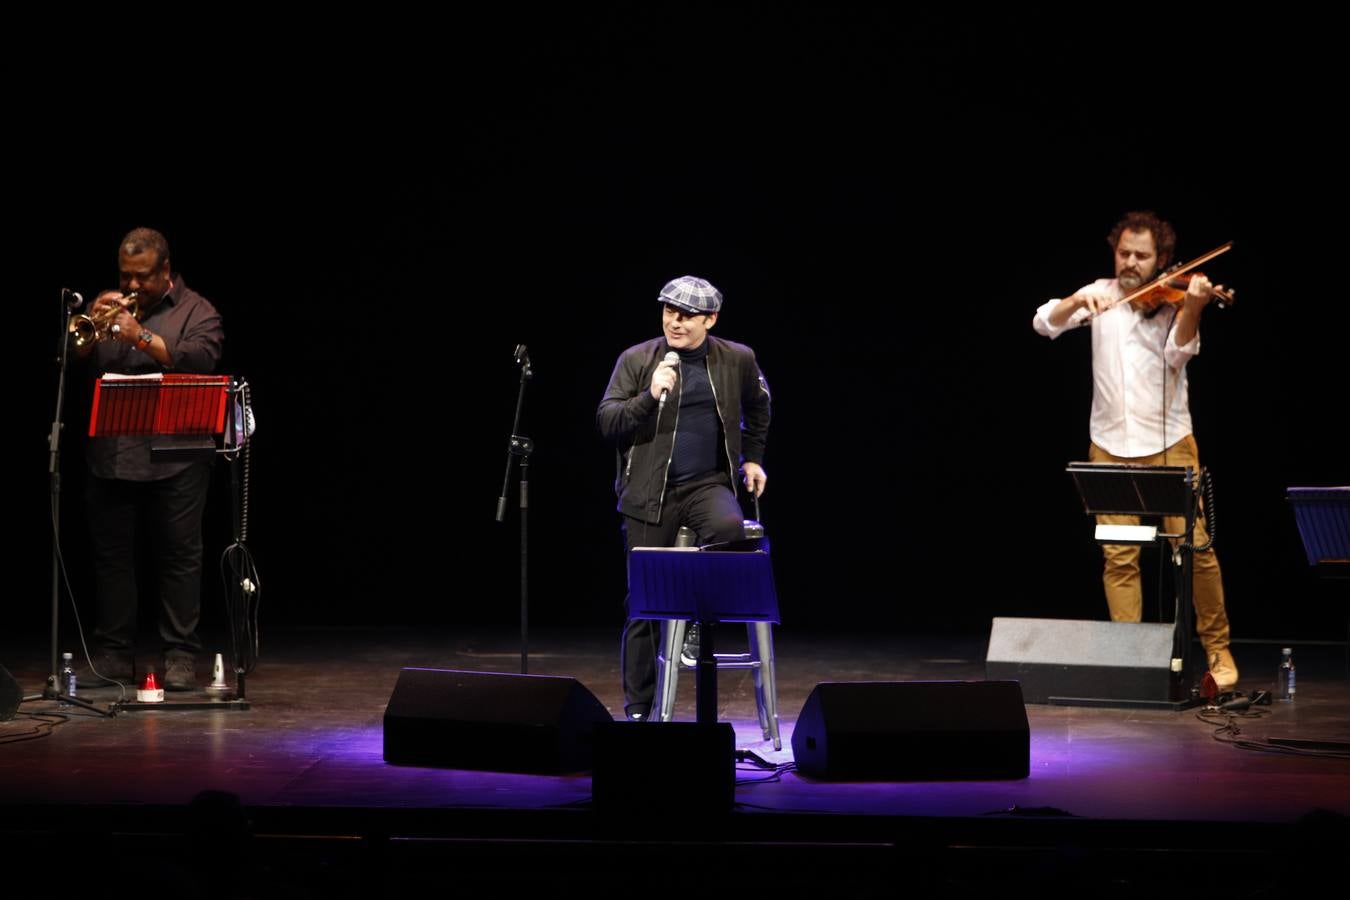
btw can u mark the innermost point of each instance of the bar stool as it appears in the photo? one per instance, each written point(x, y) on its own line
point(758, 658)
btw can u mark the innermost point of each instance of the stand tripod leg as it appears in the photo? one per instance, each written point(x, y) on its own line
point(706, 678)
point(69, 701)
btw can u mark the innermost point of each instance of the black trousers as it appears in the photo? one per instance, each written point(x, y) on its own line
point(166, 518)
point(707, 505)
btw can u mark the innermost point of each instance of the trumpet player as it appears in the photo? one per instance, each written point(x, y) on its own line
point(172, 328)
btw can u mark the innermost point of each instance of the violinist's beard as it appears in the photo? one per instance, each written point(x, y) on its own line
point(1129, 281)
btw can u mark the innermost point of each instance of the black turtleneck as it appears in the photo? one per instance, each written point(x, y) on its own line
point(698, 445)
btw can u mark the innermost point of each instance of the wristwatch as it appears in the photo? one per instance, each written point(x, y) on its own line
point(143, 342)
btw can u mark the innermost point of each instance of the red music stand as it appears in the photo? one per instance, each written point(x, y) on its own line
point(186, 410)
point(185, 413)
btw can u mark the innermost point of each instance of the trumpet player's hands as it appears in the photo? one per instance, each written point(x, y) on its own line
point(125, 328)
point(122, 326)
point(104, 301)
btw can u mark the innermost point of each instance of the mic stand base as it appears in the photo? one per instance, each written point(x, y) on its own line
point(70, 701)
point(231, 703)
point(1108, 703)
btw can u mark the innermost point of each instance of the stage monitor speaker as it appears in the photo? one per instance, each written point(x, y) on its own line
point(11, 695)
point(1086, 663)
point(486, 720)
point(913, 731)
point(701, 758)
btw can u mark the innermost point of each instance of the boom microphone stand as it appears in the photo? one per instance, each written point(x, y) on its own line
point(54, 690)
point(520, 448)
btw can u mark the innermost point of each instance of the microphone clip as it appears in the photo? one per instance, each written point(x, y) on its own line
point(522, 358)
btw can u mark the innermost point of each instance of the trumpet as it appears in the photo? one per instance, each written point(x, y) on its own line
point(89, 329)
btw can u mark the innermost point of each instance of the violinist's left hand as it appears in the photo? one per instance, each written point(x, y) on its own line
point(1199, 292)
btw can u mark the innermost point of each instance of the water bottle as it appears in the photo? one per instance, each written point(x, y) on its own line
point(67, 682)
point(1284, 676)
point(1177, 681)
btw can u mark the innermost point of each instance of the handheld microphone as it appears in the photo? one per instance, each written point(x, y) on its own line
point(671, 357)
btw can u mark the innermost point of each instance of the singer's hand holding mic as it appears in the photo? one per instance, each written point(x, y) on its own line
point(663, 379)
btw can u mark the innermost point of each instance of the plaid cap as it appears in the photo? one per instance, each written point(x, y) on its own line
point(693, 295)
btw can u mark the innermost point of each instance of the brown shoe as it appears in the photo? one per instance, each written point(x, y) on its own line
point(112, 667)
point(1224, 670)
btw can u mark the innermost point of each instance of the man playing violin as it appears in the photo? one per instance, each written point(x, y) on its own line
point(140, 506)
point(1140, 407)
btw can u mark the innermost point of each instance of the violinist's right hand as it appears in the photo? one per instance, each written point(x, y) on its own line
point(1065, 309)
point(1093, 303)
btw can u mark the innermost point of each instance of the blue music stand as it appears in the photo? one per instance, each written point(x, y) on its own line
point(1323, 518)
point(707, 587)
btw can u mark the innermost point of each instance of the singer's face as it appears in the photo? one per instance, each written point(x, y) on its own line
point(144, 273)
point(1136, 258)
point(685, 331)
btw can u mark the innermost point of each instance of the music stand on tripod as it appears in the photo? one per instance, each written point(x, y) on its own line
point(184, 413)
point(707, 587)
point(1323, 518)
point(1160, 491)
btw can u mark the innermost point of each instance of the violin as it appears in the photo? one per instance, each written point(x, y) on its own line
point(1171, 291)
point(1169, 288)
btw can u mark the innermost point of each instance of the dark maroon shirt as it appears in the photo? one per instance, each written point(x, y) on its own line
point(192, 333)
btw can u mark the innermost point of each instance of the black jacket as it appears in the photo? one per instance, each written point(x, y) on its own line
point(628, 416)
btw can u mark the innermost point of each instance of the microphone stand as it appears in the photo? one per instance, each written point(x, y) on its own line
point(520, 447)
point(54, 690)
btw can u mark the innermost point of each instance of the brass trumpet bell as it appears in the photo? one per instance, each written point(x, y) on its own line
point(92, 329)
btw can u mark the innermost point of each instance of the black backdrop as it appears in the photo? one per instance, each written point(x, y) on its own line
point(382, 216)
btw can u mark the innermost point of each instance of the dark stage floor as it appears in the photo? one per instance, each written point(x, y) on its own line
point(1116, 798)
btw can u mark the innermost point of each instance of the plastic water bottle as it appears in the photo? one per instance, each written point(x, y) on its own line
point(67, 683)
point(1284, 676)
point(1177, 681)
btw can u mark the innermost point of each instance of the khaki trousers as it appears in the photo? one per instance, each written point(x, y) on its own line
point(1121, 578)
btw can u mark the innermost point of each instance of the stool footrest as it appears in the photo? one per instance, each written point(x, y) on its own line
point(728, 661)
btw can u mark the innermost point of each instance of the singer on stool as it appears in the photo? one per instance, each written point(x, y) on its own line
point(687, 432)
